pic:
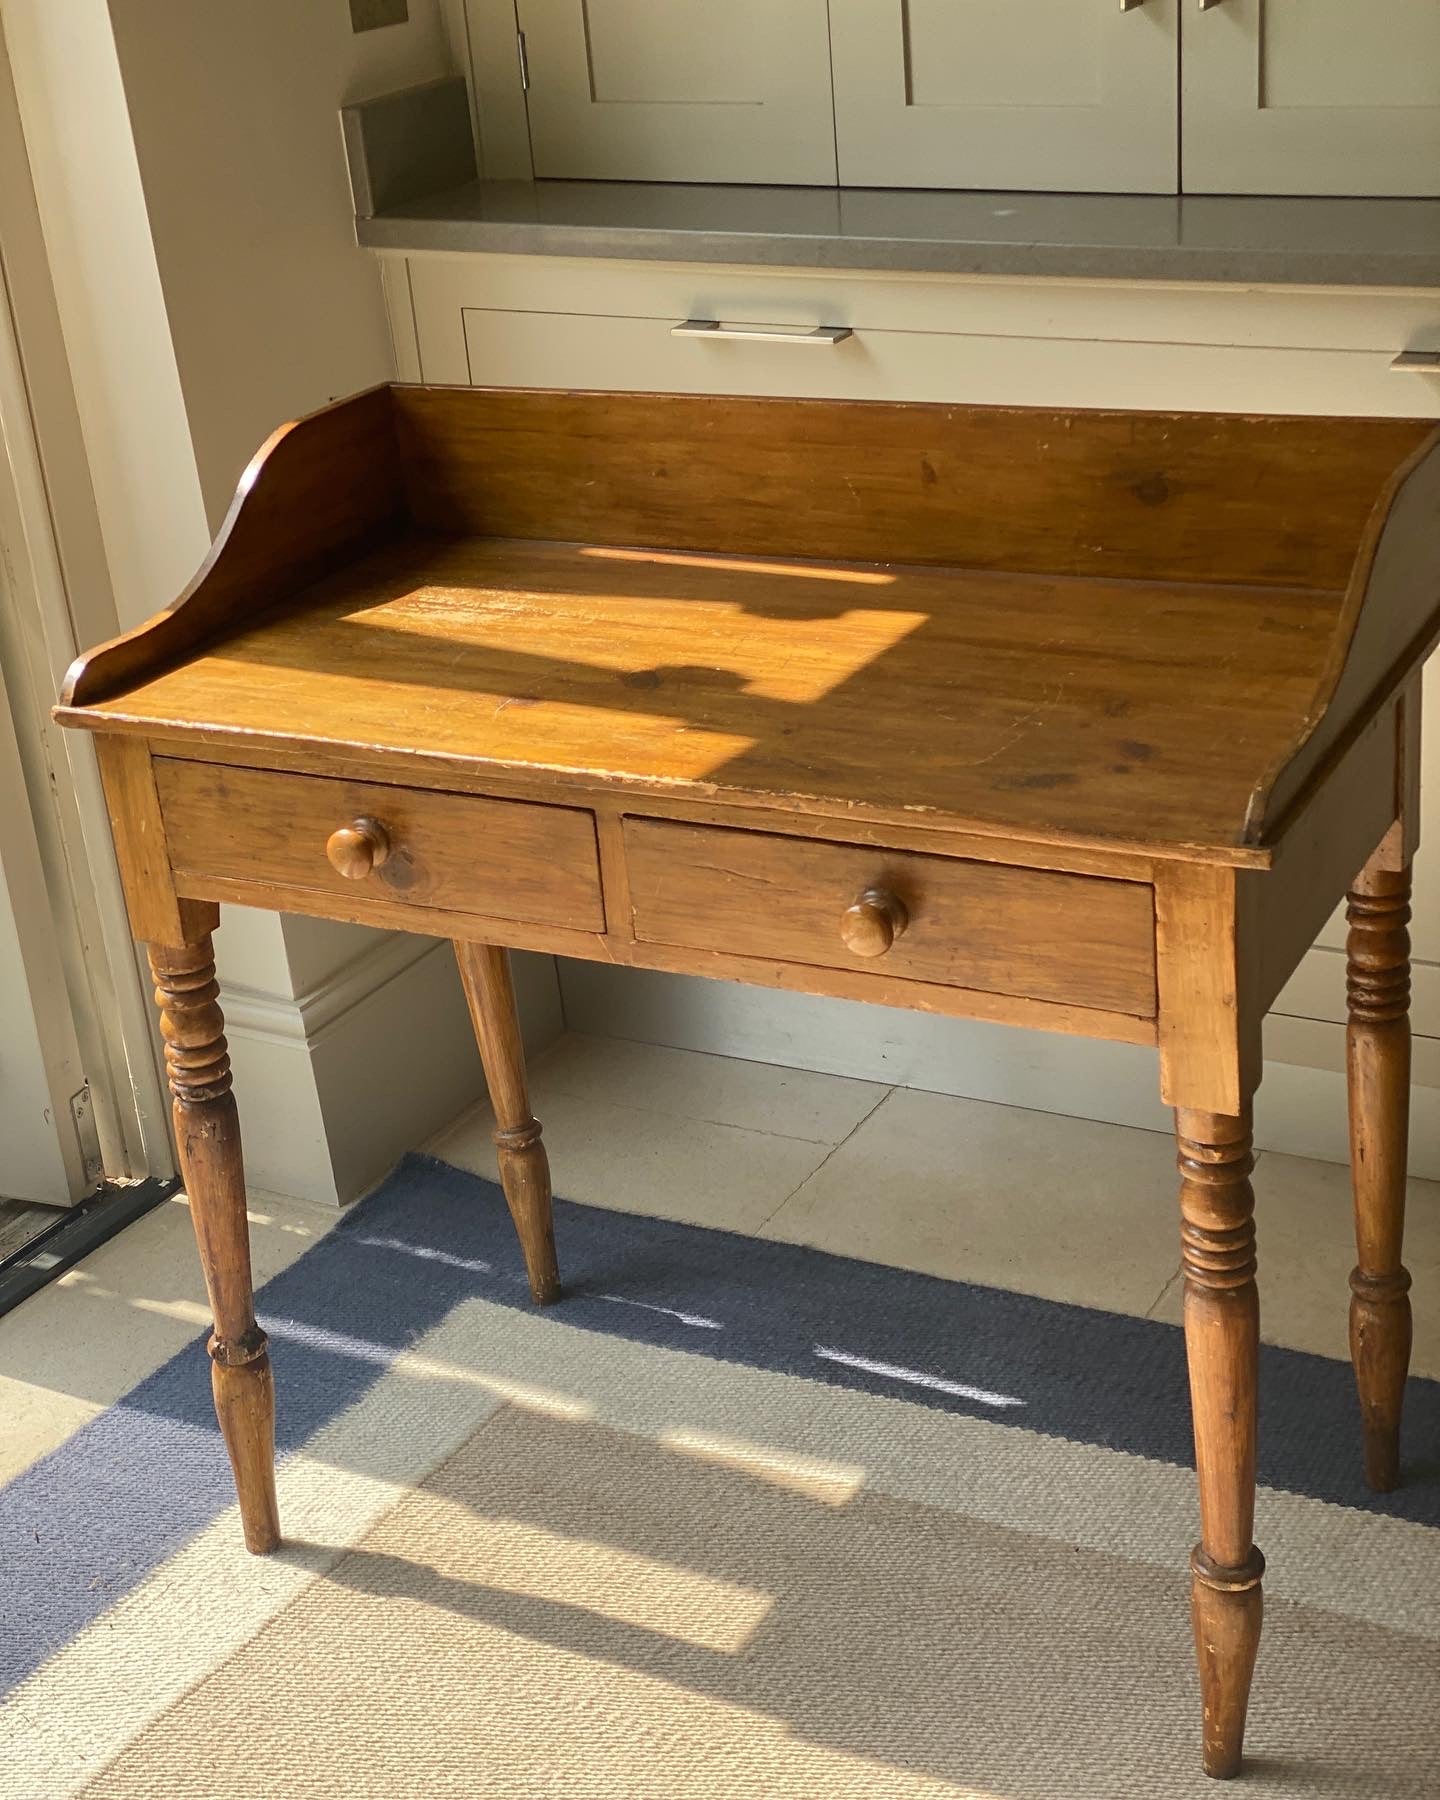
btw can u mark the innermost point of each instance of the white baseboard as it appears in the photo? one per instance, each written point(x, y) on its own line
point(1300, 1109)
point(335, 1085)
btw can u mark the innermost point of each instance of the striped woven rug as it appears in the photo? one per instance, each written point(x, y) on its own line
point(736, 1519)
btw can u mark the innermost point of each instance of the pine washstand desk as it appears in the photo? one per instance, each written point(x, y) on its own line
point(1074, 720)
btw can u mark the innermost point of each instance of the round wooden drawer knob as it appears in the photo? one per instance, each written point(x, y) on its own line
point(357, 848)
point(873, 923)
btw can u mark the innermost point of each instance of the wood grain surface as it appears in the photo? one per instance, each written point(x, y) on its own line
point(318, 490)
point(1241, 506)
point(1083, 710)
point(501, 857)
point(1142, 495)
point(1067, 938)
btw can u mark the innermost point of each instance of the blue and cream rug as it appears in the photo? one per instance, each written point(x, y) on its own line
point(736, 1520)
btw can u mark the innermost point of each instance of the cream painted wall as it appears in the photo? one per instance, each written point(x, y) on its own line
point(192, 188)
point(273, 309)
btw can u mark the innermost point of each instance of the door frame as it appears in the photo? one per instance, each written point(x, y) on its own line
point(58, 601)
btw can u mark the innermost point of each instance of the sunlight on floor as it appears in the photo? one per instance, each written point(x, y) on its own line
point(514, 1557)
point(833, 1484)
point(917, 1378)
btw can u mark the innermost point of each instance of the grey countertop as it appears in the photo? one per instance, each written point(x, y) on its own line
point(1341, 243)
point(420, 140)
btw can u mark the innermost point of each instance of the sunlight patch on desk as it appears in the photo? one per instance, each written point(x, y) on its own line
point(708, 647)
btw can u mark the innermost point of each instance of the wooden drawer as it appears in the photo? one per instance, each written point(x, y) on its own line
point(505, 859)
point(1074, 939)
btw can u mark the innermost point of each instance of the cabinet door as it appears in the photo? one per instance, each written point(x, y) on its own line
point(1328, 97)
point(680, 90)
point(1063, 94)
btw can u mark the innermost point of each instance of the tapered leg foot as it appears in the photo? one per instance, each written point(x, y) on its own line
point(524, 1167)
point(1222, 1344)
point(1378, 1063)
point(1225, 1610)
point(207, 1135)
point(245, 1407)
point(525, 1178)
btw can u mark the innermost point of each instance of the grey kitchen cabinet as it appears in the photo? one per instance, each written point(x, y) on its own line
point(680, 90)
point(1054, 94)
point(1311, 97)
point(1322, 97)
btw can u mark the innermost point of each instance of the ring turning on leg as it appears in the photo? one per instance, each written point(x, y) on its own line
point(1222, 1343)
point(207, 1133)
point(1377, 1043)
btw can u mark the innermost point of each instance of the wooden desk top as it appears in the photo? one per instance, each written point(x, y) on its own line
point(1110, 630)
point(1097, 711)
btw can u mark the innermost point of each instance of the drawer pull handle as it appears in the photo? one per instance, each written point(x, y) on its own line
point(358, 848)
point(1426, 361)
point(873, 923)
point(822, 335)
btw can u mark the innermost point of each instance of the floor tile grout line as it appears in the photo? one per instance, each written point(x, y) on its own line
point(483, 1108)
point(657, 1112)
point(756, 1230)
point(1157, 1302)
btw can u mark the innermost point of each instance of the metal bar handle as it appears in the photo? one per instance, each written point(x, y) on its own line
point(823, 335)
point(1427, 362)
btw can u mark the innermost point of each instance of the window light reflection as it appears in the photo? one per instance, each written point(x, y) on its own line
point(742, 565)
point(918, 1378)
point(833, 1484)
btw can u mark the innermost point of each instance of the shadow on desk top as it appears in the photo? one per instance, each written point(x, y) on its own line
point(1098, 628)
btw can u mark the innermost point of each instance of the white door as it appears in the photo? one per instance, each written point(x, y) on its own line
point(1048, 94)
point(1311, 97)
point(49, 1153)
point(680, 90)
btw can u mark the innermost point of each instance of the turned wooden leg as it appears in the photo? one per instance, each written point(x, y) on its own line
point(524, 1167)
point(1378, 1061)
point(1222, 1343)
point(207, 1131)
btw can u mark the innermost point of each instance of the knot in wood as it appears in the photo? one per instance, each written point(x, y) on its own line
point(1218, 1258)
point(1227, 1578)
